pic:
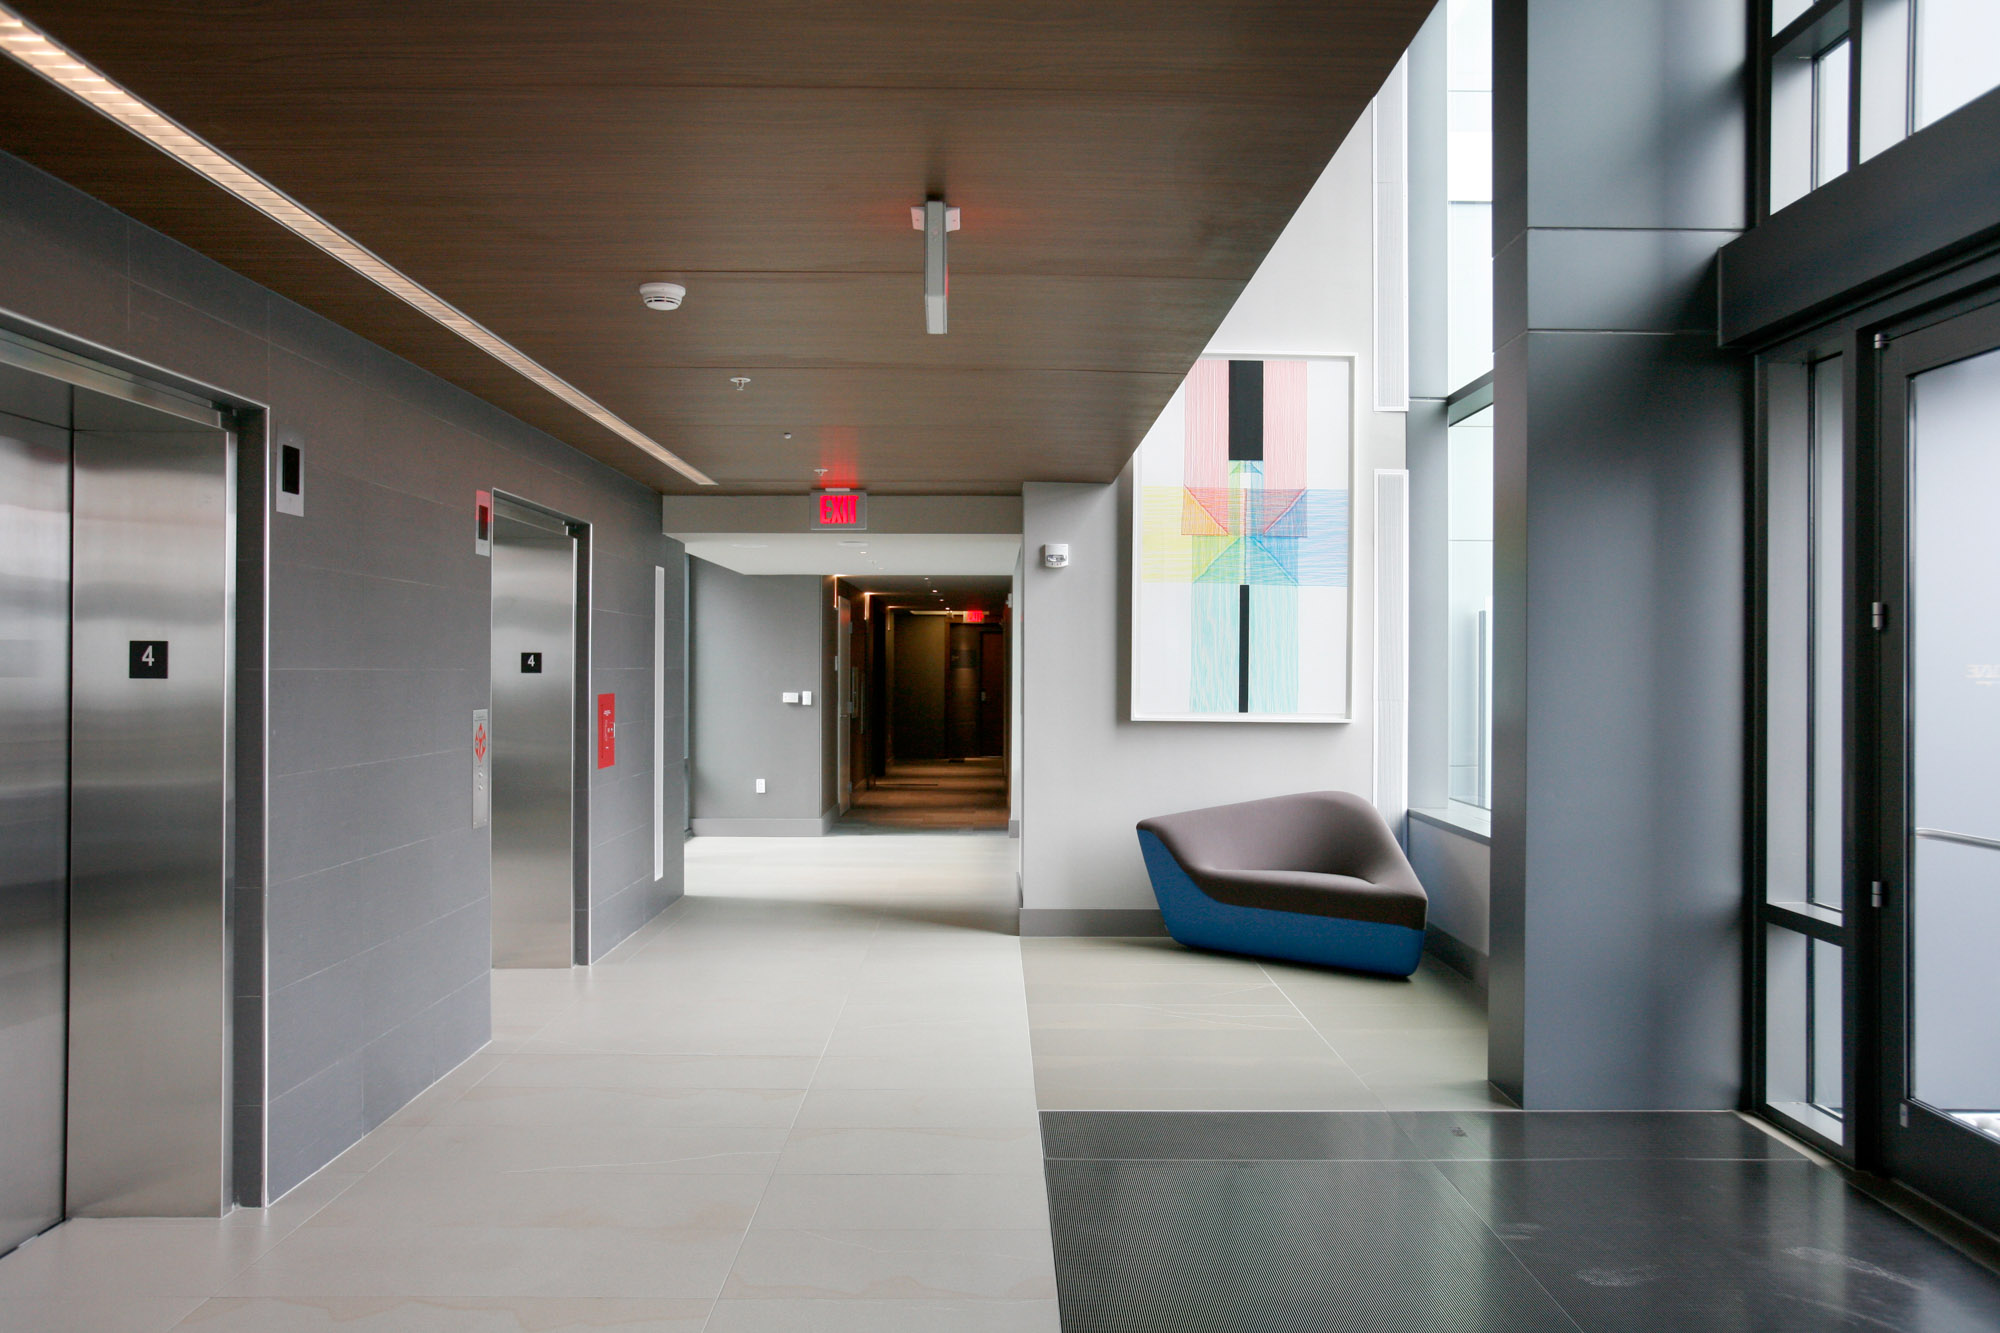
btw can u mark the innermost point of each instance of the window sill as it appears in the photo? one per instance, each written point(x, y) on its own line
point(1468, 821)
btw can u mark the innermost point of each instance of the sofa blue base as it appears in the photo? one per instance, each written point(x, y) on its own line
point(1199, 921)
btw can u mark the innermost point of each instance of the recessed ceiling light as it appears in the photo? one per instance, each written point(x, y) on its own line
point(788, 435)
point(31, 47)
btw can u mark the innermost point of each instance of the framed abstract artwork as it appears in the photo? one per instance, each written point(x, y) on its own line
point(1241, 544)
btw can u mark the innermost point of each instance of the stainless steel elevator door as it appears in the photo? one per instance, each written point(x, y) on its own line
point(149, 737)
point(34, 796)
point(534, 730)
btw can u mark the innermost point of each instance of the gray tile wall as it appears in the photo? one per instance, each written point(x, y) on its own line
point(374, 885)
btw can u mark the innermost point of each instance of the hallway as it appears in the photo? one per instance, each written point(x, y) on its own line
point(936, 796)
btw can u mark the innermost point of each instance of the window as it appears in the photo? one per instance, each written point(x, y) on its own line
point(1957, 57)
point(1846, 79)
point(1811, 70)
point(1804, 553)
point(1470, 602)
point(1469, 187)
point(1451, 459)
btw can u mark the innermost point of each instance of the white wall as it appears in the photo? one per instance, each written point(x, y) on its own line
point(1088, 774)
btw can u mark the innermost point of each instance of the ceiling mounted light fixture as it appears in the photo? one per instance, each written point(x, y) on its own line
point(741, 382)
point(934, 218)
point(33, 48)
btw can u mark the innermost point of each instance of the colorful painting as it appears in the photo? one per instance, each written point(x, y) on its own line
point(1241, 543)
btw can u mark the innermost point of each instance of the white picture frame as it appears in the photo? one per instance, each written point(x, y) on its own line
point(1170, 681)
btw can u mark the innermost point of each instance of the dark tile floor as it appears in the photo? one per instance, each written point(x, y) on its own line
point(1504, 1221)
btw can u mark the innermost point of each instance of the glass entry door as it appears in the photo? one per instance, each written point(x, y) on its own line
point(1937, 822)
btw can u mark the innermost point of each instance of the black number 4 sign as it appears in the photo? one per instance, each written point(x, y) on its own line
point(531, 663)
point(149, 659)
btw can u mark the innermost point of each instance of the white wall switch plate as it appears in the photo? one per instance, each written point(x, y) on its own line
point(790, 696)
point(760, 786)
point(806, 698)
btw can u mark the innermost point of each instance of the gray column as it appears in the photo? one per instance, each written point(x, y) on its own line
point(1620, 439)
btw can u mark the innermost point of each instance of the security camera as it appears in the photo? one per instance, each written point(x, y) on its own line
point(662, 295)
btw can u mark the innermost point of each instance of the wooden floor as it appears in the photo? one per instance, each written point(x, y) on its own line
point(960, 795)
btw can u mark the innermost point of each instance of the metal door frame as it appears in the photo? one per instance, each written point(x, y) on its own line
point(582, 718)
point(1936, 1155)
point(30, 345)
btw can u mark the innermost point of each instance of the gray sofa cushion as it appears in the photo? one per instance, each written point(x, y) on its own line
point(1325, 853)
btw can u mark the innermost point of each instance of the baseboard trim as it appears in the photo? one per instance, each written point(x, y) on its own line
point(1092, 921)
point(1457, 955)
point(761, 828)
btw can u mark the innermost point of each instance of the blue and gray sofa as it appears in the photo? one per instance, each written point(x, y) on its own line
point(1314, 878)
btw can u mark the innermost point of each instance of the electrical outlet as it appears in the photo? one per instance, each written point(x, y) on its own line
point(760, 786)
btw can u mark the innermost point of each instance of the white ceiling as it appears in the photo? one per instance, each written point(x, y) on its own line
point(856, 554)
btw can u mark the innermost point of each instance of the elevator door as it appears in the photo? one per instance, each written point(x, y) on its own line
point(115, 566)
point(534, 731)
point(150, 710)
point(34, 801)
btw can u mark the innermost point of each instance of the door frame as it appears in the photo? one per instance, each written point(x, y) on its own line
point(843, 704)
point(1932, 1153)
point(29, 344)
point(583, 720)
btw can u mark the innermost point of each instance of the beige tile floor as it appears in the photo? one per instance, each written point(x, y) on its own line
point(1143, 1024)
point(803, 1100)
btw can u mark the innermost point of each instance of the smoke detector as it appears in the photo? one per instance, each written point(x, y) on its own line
point(662, 295)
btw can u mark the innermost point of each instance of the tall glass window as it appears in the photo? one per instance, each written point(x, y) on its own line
point(1455, 53)
point(1470, 520)
point(1469, 185)
point(1804, 669)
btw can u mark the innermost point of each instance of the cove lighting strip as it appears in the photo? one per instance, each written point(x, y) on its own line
point(36, 50)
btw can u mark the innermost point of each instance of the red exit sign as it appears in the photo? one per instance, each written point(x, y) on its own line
point(841, 509)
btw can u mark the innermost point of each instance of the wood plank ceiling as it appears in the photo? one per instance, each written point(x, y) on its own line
point(1122, 167)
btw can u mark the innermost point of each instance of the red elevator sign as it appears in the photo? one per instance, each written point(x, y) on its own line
point(841, 509)
point(607, 730)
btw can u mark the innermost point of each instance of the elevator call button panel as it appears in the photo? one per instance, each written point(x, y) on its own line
point(531, 664)
point(149, 659)
point(482, 768)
